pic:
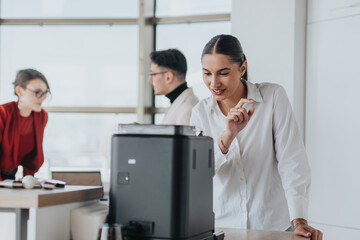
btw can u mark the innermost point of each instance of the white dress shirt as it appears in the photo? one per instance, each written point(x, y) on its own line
point(180, 110)
point(263, 181)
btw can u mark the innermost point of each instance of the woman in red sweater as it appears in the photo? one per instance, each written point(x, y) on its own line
point(22, 125)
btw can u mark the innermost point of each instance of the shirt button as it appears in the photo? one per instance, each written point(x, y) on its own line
point(242, 179)
point(238, 163)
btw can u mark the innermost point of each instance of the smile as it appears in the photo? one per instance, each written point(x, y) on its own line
point(217, 91)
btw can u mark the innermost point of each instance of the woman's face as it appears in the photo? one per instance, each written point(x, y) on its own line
point(222, 76)
point(33, 95)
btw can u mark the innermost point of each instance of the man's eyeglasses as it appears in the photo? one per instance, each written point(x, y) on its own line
point(38, 93)
point(153, 74)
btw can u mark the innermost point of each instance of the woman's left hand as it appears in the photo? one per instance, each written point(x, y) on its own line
point(238, 117)
point(307, 231)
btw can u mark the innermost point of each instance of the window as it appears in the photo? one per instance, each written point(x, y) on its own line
point(172, 8)
point(91, 53)
point(196, 35)
point(24, 9)
point(85, 65)
point(81, 140)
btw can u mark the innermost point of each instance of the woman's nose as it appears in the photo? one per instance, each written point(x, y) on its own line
point(214, 82)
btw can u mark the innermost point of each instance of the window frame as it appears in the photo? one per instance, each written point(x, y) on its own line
point(147, 23)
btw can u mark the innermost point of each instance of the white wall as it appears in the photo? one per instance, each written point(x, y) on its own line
point(272, 34)
point(333, 115)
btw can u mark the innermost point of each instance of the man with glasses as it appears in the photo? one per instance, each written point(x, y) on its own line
point(167, 75)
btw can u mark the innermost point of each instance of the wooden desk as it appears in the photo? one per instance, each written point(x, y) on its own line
point(45, 214)
point(241, 234)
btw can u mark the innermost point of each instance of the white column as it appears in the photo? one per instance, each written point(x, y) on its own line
point(146, 46)
point(333, 116)
point(273, 34)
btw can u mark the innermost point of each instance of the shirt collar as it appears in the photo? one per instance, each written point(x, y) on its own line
point(253, 92)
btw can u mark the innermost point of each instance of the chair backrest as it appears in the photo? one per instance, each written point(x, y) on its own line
point(87, 178)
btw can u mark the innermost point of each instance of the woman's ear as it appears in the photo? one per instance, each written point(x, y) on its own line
point(19, 91)
point(243, 68)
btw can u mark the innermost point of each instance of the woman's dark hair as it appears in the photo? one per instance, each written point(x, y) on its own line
point(24, 76)
point(229, 46)
point(172, 59)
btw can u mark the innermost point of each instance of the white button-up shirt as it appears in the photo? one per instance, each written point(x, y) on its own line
point(263, 181)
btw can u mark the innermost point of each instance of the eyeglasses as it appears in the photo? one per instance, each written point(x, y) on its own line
point(153, 74)
point(38, 93)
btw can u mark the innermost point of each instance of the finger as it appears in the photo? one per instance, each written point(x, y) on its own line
point(240, 111)
point(302, 232)
point(234, 110)
point(241, 117)
point(315, 235)
point(243, 101)
point(232, 117)
point(244, 112)
point(237, 116)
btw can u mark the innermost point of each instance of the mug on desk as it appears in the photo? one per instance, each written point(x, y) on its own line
point(110, 231)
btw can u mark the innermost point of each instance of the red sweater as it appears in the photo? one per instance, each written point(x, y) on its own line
point(9, 140)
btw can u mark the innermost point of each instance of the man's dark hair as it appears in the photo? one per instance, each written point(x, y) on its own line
point(172, 59)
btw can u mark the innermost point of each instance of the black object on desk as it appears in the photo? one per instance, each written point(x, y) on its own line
point(161, 185)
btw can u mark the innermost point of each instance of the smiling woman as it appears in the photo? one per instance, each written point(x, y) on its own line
point(262, 176)
point(22, 125)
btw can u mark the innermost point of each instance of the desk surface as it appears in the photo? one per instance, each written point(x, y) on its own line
point(242, 234)
point(36, 198)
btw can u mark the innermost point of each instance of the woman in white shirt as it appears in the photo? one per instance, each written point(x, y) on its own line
point(262, 176)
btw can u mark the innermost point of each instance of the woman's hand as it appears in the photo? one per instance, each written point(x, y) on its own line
point(238, 117)
point(236, 120)
point(301, 228)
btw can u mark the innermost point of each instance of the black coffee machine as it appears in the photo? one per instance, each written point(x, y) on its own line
point(161, 183)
